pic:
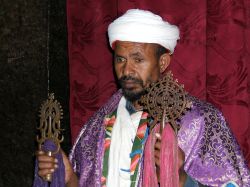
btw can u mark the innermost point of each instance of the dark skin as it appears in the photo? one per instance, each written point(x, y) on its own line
point(48, 165)
point(137, 60)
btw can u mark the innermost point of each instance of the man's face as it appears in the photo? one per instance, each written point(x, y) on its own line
point(136, 66)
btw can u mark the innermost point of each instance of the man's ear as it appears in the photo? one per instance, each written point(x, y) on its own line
point(164, 62)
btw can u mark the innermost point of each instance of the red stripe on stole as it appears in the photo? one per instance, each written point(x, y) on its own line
point(144, 115)
point(134, 162)
point(107, 143)
point(110, 121)
point(103, 179)
point(141, 130)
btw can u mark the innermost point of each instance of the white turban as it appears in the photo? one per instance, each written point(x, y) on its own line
point(144, 27)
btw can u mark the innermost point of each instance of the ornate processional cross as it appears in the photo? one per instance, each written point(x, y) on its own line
point(166, 101)
point(50, 127)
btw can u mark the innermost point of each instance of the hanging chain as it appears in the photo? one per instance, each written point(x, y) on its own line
point(47, 47)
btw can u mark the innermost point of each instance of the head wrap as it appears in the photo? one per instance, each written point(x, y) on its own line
point(144, 27)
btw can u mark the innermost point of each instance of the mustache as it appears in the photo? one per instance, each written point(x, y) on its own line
point(125, 78)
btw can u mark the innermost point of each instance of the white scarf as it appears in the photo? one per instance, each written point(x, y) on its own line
point(123, 134)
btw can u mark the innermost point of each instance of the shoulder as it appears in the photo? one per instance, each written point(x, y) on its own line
point(107, 108)
point(209, 145)
point(203, 108)
point(93, 125)
point(203, 125)
point(203, 117)
point(110, 105)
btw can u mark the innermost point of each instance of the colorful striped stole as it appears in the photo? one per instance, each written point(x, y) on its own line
point(137, 149)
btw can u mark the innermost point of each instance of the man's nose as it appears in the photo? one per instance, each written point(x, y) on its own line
point(128, 69)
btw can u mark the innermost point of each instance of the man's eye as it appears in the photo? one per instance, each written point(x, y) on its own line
point(138, 60)
point(120, 59)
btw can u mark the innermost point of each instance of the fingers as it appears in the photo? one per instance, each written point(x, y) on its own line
point(158, 141)
point(42, 173)
point(181, 158)
point(157, 158)
point(157, 152)
point(158, 136)
point(157, 149)
point(46, 164)
point(45, 160)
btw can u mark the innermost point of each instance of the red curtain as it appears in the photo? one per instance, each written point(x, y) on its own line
point(211, 58)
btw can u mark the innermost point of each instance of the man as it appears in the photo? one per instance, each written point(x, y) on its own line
point(113, 147)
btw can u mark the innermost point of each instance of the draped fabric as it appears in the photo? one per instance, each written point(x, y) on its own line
point(211, 58)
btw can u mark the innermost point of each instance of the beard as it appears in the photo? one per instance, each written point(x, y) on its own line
point(129, 93)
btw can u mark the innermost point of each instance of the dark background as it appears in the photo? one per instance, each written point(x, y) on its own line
point(23, 81)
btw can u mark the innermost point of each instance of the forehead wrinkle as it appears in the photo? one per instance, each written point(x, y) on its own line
point(129, 51)
point(135, 54)
point(134, 49)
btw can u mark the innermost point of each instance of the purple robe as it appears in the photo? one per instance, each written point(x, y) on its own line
point(212, 155)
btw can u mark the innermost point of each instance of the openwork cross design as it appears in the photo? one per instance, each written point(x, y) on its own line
point(166, 101)
point(50, 123)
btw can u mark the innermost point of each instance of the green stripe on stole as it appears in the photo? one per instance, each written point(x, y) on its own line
point(137, 149)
